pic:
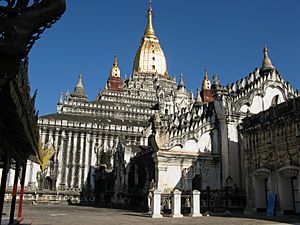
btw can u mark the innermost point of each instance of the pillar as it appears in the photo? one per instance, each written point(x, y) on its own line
point(6, 165)
point(80, 165)
point(60, 160)
point(87, 162)
point(195, 210)
point(22, 183)
point(14, 195)
point(176, 204)
point(68, 160)
point(73, 163)
point(156, 201)
point(93, 161)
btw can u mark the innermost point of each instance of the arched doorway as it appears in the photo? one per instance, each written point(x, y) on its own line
point(288, 189)
point(261, 189)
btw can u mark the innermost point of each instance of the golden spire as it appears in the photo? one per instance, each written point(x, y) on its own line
point(149, 32)
point(115, 70)
point(116, 61)
point(206, 84)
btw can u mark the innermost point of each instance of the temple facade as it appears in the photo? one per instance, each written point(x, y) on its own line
point(150, 129)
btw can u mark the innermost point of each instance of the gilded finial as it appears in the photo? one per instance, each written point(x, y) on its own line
point(205, 73)
point(206, 84)
point(149, 32)
point(115, 61)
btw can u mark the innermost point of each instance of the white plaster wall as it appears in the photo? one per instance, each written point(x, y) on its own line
point(255, 107)
point(204, 143)
point(173, 175)
point(259, 104)
point(270, 94)
point(190, 146)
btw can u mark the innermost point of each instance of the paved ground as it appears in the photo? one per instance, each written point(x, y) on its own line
point(73, 215)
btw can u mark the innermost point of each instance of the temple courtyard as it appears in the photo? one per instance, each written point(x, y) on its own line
point(67, 215)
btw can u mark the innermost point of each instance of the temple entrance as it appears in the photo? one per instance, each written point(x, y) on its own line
point(261, 189)
point(288, 190)
point(261, 193)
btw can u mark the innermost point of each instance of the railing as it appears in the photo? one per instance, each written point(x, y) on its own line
point(220, 200)
point(210, 200)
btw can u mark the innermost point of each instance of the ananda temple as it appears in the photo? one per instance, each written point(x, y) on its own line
point(149, 130)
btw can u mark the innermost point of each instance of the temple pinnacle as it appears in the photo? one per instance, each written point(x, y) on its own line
point(115, 61)
point(198, 97)
point(149, 32)
point(181, 83)
point(80, 81)
point(266, 64)
point(60, 102)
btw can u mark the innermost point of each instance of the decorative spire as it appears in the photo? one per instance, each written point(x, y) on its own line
point(149, 32)
point(205, 74)
point(198, 97)
point(79, 90)
point(116, 61)
point(181, 83)
point(80, 85)
point(206, 84)
point(266, 64)
point(115, 70)
point(60, 102)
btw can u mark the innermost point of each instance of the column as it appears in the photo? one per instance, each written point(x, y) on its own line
point(176, 204)
point(73, 164)
point(112, 148)
point(141, 141)
point(56, 136)
point(50, 138)
point(21, 193)
point(223, 137)
point(92, 162)
point(156, 201)
point(56, 152)
point(60, 156)
point(87, 159)
point(68, 160)
point(105, 146)
point(43, 134)
point(14, 194)
point(81, 154)
point(195, 210)
point(6, 165)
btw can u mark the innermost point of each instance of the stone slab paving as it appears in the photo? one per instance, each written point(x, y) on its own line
point(73, 215)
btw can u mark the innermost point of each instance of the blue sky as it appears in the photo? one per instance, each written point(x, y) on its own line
point(226, 37)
